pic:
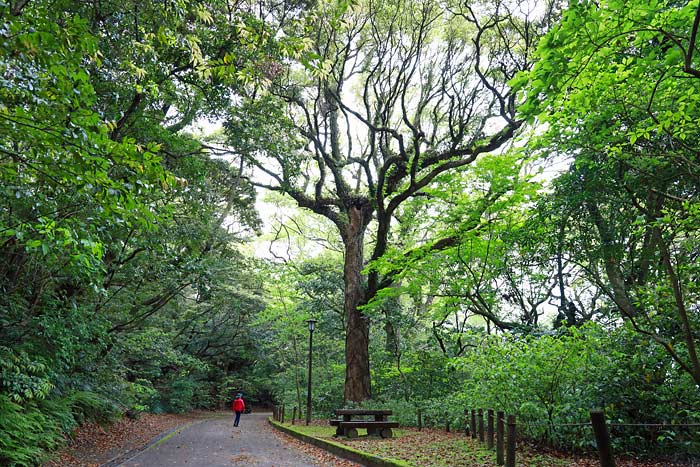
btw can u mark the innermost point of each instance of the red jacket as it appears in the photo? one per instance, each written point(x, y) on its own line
point(238, 405)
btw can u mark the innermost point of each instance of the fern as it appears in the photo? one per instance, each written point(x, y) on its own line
point(29, 433)
point(60, 411)
point(25, 434)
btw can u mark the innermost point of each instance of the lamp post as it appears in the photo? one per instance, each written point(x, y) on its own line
point(312, 324)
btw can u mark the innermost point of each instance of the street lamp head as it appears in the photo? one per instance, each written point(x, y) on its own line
point(312, 324)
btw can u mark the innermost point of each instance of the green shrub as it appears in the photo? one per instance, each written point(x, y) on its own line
point(181, 395)
point(550, 382)
point(89, 406)
point(23, 377)
point(204, 396)
point(140, 395)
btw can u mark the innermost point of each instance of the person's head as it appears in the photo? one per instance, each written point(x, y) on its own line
point(239, 395)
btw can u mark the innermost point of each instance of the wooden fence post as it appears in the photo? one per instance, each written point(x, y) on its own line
point(602, 438)
point(510, 450)
point(282, 417)
point(500, 432)
point(473, 424)
point(294, 415)
point(481, 425)
point(420, 420)
point(489, 430)
point(447, 422)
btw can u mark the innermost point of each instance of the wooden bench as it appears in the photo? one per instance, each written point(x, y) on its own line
point(380, 426)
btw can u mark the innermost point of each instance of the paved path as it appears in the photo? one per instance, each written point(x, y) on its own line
point(216, 443)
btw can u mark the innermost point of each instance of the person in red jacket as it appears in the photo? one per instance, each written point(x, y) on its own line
point(238, 407)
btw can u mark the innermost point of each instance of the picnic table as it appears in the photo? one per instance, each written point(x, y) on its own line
point(378, 425)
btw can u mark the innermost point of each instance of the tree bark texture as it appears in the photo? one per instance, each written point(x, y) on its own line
point(357, 375)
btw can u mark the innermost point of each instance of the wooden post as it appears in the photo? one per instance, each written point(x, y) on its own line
point(510, 449)
point(420, 420)
point(282, 415)
point(472, 424)
point(500, 432)
point(489, 430)
point(466, 422)
point(447, 422)
point(602, 438)
point(481, 425)
point(294, 415)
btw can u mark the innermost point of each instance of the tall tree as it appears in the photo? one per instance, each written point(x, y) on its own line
point(394, 95)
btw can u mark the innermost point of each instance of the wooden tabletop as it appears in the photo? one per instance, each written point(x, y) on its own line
point(363, 412)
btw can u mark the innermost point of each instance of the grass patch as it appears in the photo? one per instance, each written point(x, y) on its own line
point(428, 448)
point(317, 431)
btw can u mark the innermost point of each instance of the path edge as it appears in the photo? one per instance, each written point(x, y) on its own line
point(340, 450)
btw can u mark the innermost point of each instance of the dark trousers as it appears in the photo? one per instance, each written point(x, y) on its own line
point(238, 418)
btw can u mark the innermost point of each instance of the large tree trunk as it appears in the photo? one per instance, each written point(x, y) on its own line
point(357, 377)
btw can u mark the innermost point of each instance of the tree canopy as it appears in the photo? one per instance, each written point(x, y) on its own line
point(397, 95)
point(482, 203)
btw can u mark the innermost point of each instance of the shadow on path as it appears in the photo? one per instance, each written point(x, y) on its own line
point(216, 443)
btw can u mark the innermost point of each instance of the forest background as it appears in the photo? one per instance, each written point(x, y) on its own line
point(483, 204)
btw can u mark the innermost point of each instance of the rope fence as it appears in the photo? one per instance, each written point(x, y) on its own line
point(615, 424)
point(659, 425)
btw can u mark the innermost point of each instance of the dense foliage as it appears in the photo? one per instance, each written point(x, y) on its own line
point(523, 177)
point(123, 286)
